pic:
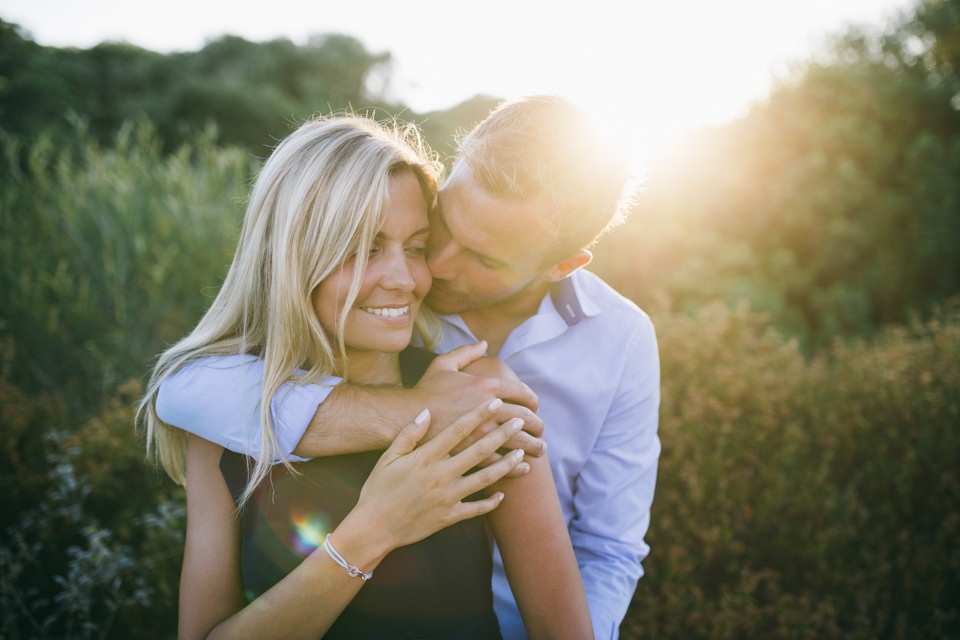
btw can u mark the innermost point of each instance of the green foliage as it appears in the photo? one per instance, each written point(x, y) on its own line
point(804, 498)
point(108, 254)
point(91, 540)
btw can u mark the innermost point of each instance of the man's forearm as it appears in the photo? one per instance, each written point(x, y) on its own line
point(357, 418)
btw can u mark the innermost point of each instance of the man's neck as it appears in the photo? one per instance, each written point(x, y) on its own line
point(494, 323)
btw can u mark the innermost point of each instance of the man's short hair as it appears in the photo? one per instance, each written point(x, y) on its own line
point(545, 146)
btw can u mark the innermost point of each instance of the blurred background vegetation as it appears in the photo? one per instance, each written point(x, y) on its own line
point(802, 265)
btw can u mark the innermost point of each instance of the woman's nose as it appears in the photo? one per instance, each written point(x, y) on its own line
point(398, 274)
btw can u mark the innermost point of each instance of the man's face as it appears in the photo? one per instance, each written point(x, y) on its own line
point(484, 252)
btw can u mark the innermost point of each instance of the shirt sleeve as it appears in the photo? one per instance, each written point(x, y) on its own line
point(218, 399)
point(615, 488)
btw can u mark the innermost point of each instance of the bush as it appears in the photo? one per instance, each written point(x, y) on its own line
point(92, 541)
point(804, 499)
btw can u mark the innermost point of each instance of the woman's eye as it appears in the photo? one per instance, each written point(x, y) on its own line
point(417, 250)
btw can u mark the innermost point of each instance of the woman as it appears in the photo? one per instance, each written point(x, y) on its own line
point(328, 279)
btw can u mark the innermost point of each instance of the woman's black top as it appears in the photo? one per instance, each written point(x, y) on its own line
point(436, 588)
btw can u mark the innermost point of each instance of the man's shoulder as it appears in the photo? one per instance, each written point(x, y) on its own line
point(607, 300)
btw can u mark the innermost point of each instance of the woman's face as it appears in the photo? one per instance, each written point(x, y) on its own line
point(394, 284)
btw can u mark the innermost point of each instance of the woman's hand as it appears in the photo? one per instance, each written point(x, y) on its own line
point(414, 491)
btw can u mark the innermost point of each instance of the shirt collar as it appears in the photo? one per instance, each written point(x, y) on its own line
point(570, 302)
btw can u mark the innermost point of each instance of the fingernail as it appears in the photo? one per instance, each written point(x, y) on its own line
point(518, 454)
point(420, 419)
point(516, 424)
point(495, 404)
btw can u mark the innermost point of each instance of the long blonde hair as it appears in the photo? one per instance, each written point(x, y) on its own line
point(317, 201)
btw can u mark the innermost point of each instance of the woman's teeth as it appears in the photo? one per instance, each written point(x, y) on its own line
point(388, 312)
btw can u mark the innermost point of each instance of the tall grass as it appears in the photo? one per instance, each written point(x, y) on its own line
point(107, 252)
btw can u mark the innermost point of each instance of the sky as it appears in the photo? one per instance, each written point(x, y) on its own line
point(650, 69)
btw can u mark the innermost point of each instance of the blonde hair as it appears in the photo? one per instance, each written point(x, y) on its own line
point(317, 201)
point(545, 146)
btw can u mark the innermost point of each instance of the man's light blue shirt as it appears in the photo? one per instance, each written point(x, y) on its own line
point(591, 357)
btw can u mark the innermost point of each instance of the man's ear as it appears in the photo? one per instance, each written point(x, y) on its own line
point(565, 267)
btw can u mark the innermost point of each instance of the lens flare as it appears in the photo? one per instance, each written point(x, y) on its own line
point(309, 530)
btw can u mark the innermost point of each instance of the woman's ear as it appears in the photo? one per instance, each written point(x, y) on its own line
point(565, 267)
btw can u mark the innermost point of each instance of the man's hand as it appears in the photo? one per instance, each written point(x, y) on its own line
point(357, 418)
point(463, 378)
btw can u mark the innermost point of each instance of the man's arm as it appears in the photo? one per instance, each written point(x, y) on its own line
point(218, 398)
point(615, 489)
point(358, 418)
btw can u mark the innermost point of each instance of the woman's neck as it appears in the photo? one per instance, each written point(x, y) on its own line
point(373, 368)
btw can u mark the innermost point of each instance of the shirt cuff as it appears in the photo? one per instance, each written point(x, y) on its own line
point(293, 407)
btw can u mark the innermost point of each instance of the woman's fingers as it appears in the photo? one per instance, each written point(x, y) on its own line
point(482, 449)
point(516, 472)
point(508, 465)
point(417, 488)
point(475, 508)
point(411, 435)
point(447, 440)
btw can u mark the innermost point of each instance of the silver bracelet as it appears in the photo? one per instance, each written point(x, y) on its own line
point(352, 571)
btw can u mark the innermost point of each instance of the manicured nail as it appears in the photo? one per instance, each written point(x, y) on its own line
point(420, 419)
point(495, 404)
point(518, 454)
point(516, 424)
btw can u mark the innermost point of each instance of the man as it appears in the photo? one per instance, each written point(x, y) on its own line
point(532, 187)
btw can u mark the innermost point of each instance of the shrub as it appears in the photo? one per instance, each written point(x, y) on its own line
point(91, 540)
point(804, 498)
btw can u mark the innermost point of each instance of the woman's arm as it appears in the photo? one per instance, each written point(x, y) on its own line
point(538, 558)
point(211, 598)
point(412, 492)
point(535, 546)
